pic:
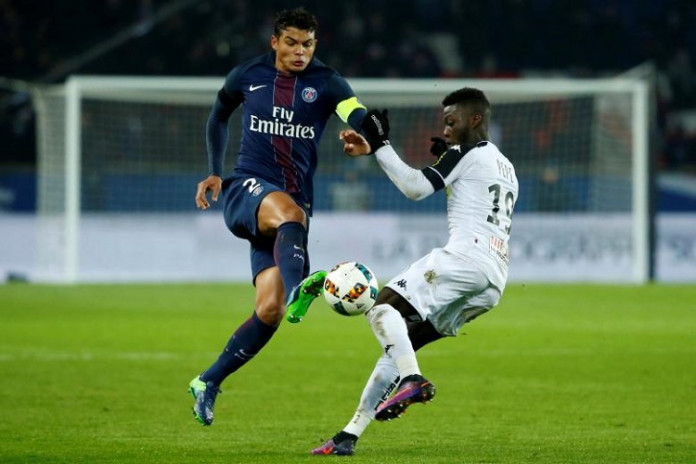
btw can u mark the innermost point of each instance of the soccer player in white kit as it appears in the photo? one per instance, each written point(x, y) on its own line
point(439, 293)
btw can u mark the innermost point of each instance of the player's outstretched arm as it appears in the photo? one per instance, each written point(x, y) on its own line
point(212, 184)
point(411, 182)
point(354, 144)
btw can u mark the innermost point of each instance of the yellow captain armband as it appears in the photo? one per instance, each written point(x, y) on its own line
point(344, 108)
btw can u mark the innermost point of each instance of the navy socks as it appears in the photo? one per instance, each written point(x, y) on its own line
point(248, 340)
point(290, 254)
point(253, 334)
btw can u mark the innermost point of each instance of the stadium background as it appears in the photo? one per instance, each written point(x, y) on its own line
point(555, 374)
point(47, 42)
point(43, 41)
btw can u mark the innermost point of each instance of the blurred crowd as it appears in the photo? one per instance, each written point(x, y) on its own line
point(45, 41)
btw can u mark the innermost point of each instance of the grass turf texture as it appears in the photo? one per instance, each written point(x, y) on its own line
point(555, 374)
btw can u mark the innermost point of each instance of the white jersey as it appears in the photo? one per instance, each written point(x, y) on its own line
point(482, 190)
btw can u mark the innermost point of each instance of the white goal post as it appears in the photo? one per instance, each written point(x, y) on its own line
point(119, 158)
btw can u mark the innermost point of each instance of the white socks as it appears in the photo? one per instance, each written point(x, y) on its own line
point(391, 332)
point(381, 383)
point(398, 361)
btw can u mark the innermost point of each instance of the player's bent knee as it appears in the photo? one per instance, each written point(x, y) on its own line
point(295, 214)
point(270, 307)
point(279, 208)
point(377, 312)
point(271, 314)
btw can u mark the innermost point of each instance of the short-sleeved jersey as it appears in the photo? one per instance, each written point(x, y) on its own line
point(284, 116)
point(482, 191)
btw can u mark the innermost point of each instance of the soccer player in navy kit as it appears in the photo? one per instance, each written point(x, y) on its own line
point(287, 97)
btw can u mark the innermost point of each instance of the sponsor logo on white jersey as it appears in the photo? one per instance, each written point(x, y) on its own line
point(499, 249)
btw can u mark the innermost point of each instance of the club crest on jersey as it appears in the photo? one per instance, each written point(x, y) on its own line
point(309, 94)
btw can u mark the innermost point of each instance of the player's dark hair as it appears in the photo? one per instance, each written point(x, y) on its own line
point(468, 96)
point(298, 18)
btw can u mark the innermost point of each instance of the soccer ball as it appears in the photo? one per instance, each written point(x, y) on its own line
point(350, 288)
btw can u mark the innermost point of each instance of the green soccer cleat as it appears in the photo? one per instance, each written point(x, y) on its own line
point(204, 394)
point(303, 294)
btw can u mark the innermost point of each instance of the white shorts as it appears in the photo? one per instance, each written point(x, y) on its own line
point(445, 289)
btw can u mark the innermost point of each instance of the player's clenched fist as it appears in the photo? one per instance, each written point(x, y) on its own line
point(213, 184)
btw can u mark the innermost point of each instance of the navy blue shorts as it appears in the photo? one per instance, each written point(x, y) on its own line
point(242, 198)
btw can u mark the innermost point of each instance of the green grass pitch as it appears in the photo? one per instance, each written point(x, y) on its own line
point(554, 374)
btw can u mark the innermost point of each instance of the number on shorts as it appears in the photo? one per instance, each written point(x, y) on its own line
point(250, 184)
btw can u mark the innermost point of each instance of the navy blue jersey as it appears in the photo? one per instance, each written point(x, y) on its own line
point(284, 116)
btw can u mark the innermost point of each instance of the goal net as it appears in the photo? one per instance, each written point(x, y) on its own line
point(120, 157)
